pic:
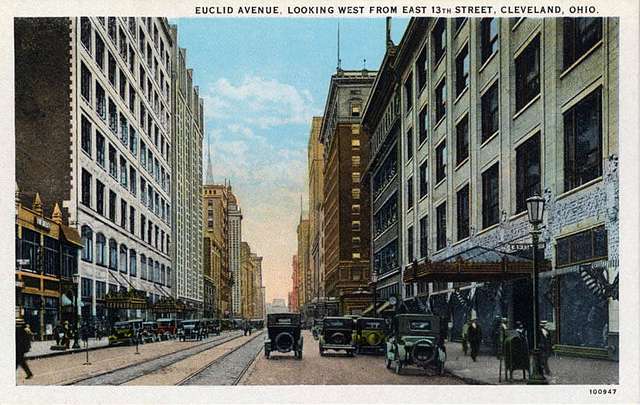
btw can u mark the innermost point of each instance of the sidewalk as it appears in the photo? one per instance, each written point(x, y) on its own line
point(565, 370)
point(41, 349)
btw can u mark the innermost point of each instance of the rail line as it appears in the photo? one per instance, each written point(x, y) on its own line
point(236, 375)
point(124, 374)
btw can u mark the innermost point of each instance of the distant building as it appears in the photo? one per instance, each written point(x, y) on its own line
point(294, 294)
point(277, 305)
point(315, 152)
point(304, 274)
point(233, 244)
point(346, 202)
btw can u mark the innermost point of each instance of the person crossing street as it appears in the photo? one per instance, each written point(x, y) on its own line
point(23, 345)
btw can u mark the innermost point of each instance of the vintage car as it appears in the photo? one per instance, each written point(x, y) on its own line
point(370, 335)
point(416, 339)
point(125, 332)
point(191, 329)
point(212, 326)
point(168, 328)
point(315, 329)
point(337, 334)
point(283, 334)
point(149, 332)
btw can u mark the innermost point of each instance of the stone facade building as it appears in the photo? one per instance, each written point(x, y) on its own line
point(315, 152)
point(304, 278)
point(234, 239)
point(93, 131)
point(188, 129)
point(346, 203)
point(492, 111)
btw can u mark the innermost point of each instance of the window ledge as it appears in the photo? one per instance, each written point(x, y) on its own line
point(460, 241)
point(518, 215)
point(439, 61)
point(526, 106)
point(489, 59)
point(462, 93)
point(579, 188)
point(457, 31)
point(440, 182)
point(459, 165)
point(424, 197)
point(489, 139)
point(488, 229)
point(435, 127)
point(515, 26)
point(578, 61)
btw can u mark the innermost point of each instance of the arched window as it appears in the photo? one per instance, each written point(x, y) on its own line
point(87, 243)
point(143, 267)
point(132, 262)
point(123, 259)
point(113, 254)
point(101, 242)
point(150, 274)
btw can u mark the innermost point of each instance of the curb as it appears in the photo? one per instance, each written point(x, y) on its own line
point(65, 352)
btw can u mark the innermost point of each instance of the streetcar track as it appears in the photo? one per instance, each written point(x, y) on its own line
point(220, 359)
point(198, 348)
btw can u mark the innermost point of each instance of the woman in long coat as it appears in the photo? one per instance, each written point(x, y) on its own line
point(474, 336)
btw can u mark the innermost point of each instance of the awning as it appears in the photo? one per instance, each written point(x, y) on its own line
point(71, 235)
point(475, 264)
point(132, 299)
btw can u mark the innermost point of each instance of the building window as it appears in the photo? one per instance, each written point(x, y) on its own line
point(409, 144)
point(527, 171)
point(99, 197)
point(441, 226)
point(580, 35)
point(85, 33)
point(113, 117)
point(441, 100)
point(462, 140)
point(408, 92)
point(583, 141)
point(490, 197)
point(87, 243)
point(424, 237)
point(111, 29)
point(143, 267)
point(441, 161)
point(143, 227)
point(410, 255)
point(424, 178)
point(85, 129)
point(133, 259)
point(355, 255)
point(490, 118)
point(123, 259)
point(421, 68)
point(356, 108)
point(123, 85)
point(112, 206)
point(99, 57)
point(101, 102)
point(463, 212)
point(123, 213)
point(462, 70)
point(423, 122)
point(112, 69)
point(86, 289)
point(439, 40)
point(85, 82)
point(113, 254)
point(528, 74)
point(355, 193)
point(113, 164)
point(101, 257)
point(410, 193)
point(582, 247)
point(123, 171)
point(86, 188)
point(488, 37)
point(101, 290)
point(459, 22)
point(355, 177)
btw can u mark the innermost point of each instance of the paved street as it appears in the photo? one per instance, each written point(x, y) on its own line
point(337, 369)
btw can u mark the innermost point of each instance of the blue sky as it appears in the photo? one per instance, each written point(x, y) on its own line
point(262, 80)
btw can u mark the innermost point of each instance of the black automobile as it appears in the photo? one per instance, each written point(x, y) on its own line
point(337, 334)
point(416, 339)
point(283, 334)
point(191, 329)
point(212, 326)
point(370, 335)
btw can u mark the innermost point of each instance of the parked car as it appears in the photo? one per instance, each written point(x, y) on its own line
point(212, 326)
point(283, 334)
point(191, 329)
point(150, 332)
point(337, 334)
point(370, 335)
point(125, 332)
point(416, 339)
point(168, 328)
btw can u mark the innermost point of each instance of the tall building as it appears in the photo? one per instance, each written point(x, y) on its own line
point(493, 111)
point(258, 301)
point(315, 152)
point(93, 131)
point(188, 129)
point(346, 202)
point(234, 239)
point(304, 279)
point(294, 294)
point(246, 281)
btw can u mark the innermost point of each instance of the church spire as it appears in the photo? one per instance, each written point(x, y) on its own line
point(209, 179)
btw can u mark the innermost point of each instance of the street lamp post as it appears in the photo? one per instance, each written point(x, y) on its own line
point(535, 210)
point(374, 280)
point(76, 308)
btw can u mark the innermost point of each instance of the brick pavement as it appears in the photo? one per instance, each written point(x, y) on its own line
point(564, 370)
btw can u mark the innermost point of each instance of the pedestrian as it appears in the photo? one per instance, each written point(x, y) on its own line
point(475, 337)
point(23, 345)
point(57, 333)
point(67, 334)
point(465, 337)
point(545, 346)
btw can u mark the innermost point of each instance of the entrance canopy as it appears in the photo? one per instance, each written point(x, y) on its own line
point(475, 264)
point(169, 304)
point(132, 299)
